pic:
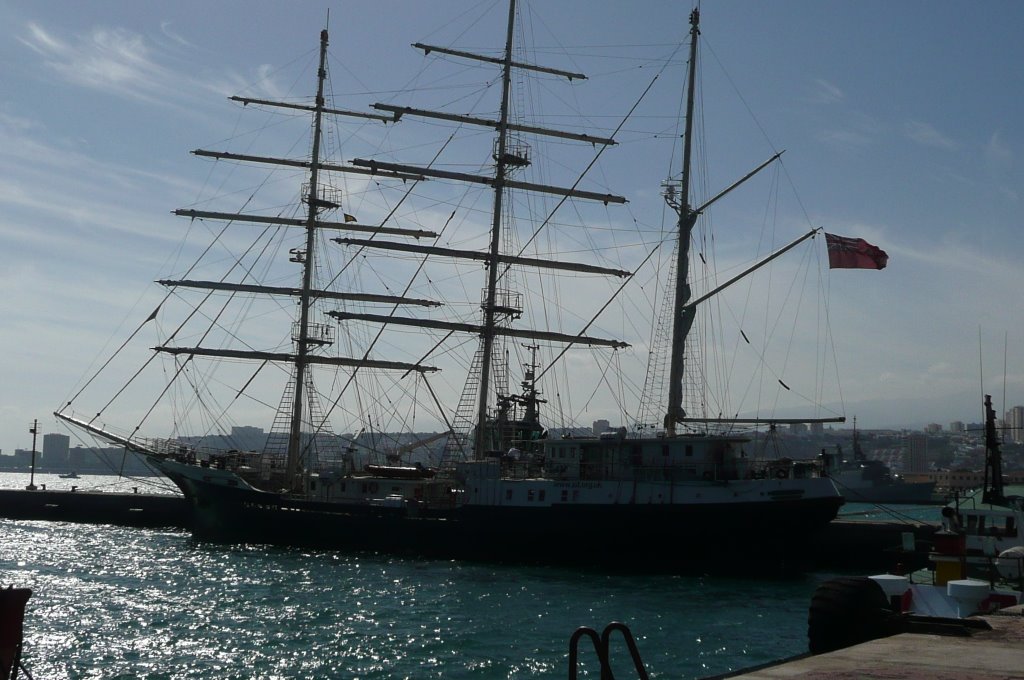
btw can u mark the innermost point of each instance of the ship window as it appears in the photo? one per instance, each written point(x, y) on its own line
point(540, 495)
point(565, 495)
point(1011, 527)
point(664, 449)
point(312, 485)
point(508, 494)
point(529, 495)
point(689, 449)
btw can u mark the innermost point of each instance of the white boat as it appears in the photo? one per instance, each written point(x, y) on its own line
point(687, 491)
point(981, 533)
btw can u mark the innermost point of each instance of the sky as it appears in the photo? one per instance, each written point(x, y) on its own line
point(902, 123)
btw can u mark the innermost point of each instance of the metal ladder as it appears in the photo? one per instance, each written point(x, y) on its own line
point(602, 647)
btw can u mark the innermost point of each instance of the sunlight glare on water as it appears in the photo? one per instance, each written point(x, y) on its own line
point(112, 602)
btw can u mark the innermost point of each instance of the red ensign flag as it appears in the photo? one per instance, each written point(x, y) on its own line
point(853, 253)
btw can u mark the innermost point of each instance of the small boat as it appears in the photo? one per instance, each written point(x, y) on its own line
point(976, 567)
point(979, 529)
point(684, 491)
point(69, 475)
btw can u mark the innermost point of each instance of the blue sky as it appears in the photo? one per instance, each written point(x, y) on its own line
point(902, 124)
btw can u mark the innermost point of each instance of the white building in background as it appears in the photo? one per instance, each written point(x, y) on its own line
point(1014, 425)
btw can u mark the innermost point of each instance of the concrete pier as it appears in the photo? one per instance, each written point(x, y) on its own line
point(996, 654)
point(94, 507)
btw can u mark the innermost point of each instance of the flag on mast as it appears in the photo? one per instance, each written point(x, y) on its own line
point(853, 253)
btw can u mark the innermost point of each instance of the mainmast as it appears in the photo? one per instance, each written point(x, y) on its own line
point(306, 258)
point(683, 315)
point(510, 154)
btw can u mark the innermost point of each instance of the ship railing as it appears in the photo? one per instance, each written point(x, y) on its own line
point(742, 469)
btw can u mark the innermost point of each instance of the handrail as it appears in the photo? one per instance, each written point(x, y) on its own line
point(602, 647)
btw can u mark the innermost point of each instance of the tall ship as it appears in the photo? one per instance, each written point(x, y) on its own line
point(502, 483)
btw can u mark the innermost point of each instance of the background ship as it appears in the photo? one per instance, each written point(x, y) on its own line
point(861, 480)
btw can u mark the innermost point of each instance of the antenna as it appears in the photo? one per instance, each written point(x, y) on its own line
point(981, 371)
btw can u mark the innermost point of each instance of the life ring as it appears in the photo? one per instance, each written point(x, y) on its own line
point(781, 474)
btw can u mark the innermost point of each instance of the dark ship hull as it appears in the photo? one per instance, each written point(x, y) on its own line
point(769, 534)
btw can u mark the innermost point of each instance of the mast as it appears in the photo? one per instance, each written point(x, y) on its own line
point(509, 156)
point(487, 336)
point(32, 475)
point(993, 491)
point(683, 315)
point(302, 350)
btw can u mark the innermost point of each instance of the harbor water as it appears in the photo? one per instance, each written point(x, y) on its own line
point(115, 602)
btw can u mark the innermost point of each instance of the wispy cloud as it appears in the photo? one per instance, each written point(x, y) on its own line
point(113, 60)
point(826, 92)
point(165, 28)
point(42, 42)
point(999, 160)
point(926, 135)
point(123, 63)
point(852, 132)
point(17, 124)
point(997, 154)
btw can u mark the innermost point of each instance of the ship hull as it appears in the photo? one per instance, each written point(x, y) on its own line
point(910, 493)
point(679, 536)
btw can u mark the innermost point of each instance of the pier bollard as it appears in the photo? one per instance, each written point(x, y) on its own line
point(74, 488)
point(135, 489)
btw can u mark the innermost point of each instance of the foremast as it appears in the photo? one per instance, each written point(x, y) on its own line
point(487, 337)
point(306, 334)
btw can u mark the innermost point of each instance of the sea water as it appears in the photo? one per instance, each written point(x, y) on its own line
point(115, 602)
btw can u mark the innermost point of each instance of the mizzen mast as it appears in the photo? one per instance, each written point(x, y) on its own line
point(683, 315)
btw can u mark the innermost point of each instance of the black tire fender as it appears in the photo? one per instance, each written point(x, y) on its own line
point(847, 611)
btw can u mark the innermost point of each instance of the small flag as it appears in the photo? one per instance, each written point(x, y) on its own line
point(350, 218)
point(853, 253)
point(153, 315)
